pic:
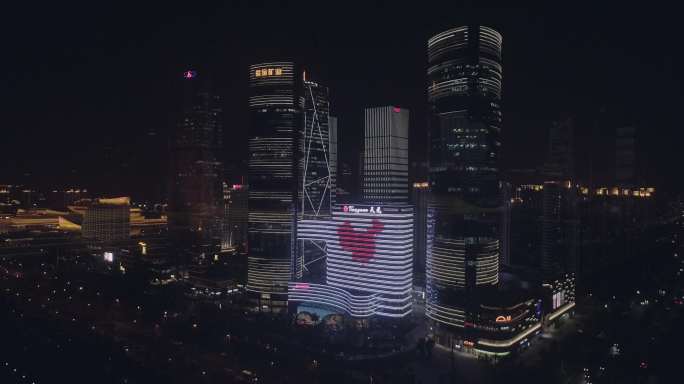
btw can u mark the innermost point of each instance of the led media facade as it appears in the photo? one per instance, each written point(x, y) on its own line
point(369, 264)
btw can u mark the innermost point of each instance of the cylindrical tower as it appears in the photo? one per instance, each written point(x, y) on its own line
point(464, 95)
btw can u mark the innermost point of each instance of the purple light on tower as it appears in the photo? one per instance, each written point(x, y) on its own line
point(189, 74)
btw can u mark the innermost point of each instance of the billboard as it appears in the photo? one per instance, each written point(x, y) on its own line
point(369, 264)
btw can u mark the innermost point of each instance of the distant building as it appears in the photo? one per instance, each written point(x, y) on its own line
point(560, 162)
point(560, 224)
point(108, 220)
point(625, 157)
point(195, 192)
point(419, 200)
point(60, 199)
point(560, 242)
point(526, 225)
point(506, 221)
point(385, 160)
point(347, 183)
point(235, 215)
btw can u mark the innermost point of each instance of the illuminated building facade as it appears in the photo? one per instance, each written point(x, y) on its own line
point(464, 94)
point(195, 192)
point(107, 220)
point(275, 105)
point(419, 200)
point(385, 160)
point(317, 159)
point(369, 261)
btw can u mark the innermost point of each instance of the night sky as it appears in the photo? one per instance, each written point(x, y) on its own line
point(89, 91)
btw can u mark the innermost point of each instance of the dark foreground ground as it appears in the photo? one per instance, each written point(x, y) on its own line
point(66, 323)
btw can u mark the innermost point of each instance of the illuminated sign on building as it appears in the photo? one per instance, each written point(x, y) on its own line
point(189, 74)
point(503, 319)
point(268, 72)
point(354, 209)
point(369, 263)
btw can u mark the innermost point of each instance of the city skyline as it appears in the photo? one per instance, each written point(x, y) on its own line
point(374, 193)
point(544, 96)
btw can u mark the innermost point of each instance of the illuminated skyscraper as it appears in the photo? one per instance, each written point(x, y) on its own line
point(317, 159)
point(195, 191)
point(385, 160)
point(275, 104)
point(463, 246)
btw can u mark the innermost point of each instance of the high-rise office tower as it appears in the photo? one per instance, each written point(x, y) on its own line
point(275, 102)
point(195, 191)
point(385, 155)
point(464, 94)
point(316, 177)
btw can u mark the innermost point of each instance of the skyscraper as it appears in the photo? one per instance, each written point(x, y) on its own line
point(195, 191)
point(464, 94)
point(385, 160)
point(275, 102)
point(316, 176)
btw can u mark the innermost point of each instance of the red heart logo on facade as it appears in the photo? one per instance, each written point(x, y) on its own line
point(361, 243)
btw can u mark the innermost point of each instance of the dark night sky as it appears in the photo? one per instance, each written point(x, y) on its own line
point(88, 91)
